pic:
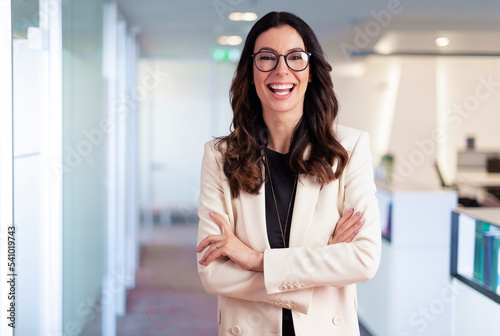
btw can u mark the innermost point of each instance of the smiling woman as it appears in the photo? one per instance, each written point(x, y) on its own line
point(280, 87)
point(288, 216)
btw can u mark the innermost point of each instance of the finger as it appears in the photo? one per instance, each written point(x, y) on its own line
point(210, 250)
point(220, 221)
point(344, 237)
point(207, 241)
point(351, 220)
point(345, 217)
point(339, 230)
point(213, 253)
point(355, 227)
point(348, 236)
point(351, 237)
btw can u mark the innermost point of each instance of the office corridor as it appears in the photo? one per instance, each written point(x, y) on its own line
point(169, 298)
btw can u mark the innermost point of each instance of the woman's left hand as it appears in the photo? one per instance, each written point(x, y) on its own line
point(228, 245)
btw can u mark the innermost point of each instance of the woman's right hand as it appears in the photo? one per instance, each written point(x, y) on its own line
point(347, 228)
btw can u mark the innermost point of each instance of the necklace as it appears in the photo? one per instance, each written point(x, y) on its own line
point(283, 232)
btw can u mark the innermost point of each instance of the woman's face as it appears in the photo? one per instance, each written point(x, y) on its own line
point(282, 89)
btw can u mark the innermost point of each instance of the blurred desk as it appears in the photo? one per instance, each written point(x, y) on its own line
point(414, 265)
point(479, 179)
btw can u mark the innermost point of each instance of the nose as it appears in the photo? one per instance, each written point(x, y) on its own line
point(281, 68)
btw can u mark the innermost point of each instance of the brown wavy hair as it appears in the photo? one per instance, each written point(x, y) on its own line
point(245, 145)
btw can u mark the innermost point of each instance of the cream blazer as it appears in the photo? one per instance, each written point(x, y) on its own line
point(313, 279)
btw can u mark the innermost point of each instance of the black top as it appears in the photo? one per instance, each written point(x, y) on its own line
point(283, 179)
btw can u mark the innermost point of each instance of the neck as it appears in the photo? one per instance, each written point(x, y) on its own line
point(281, 127)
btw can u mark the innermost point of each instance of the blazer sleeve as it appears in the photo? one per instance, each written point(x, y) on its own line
point(223, 276)
point(339, 264)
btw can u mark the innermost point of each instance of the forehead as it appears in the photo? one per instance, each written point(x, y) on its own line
point(280, 39)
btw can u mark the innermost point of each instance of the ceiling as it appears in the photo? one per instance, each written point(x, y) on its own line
point(190, 28)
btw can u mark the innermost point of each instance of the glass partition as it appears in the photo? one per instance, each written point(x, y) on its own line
point(6, 213)
point(29, 69)
point(25, 14)
point(84, 162)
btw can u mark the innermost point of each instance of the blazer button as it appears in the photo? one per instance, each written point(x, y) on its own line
point(236, 330)
point(283, 288)
point(337, 320)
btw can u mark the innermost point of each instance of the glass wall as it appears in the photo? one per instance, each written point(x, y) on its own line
point(84, 163)
point(29, 78)
point(6, 185)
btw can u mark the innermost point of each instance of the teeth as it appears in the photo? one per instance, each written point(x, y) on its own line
point(281, 87)
point(282, 93)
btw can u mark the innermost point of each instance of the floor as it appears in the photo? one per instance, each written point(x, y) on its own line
point(168, 298)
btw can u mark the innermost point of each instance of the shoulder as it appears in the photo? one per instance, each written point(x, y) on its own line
point(349, 137)
point(213, 155)
point(216, 146)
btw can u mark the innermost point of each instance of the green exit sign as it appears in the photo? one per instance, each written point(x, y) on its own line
point(226, 55)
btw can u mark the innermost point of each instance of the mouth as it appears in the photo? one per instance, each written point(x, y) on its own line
point(281, 89)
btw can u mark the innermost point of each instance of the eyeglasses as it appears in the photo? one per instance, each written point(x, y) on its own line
point(267, 61)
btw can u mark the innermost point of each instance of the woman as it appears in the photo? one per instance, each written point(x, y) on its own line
point(279, 240)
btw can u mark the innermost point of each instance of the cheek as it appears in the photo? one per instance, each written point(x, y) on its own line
point(304, 82)
point(259, 81)
point(258, 77)
point(307, 76)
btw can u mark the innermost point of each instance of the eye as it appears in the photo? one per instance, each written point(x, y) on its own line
point(298, 56)
point(267, 57)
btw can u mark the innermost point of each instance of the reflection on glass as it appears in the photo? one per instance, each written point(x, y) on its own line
point(25, 14)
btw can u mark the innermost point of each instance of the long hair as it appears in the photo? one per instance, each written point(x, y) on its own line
point(245, 145)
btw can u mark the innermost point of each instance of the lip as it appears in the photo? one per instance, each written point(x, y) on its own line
point(282, 86)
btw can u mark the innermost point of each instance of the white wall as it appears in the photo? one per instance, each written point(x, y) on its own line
point(469, 93)
point(417, 108)
point(393, 99)
point(188, 108)
point(366, 92)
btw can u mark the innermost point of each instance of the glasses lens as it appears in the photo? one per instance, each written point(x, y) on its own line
point(297, 60)
point(265, 61)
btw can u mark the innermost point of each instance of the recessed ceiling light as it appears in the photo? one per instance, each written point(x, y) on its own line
point(230, 40)
point(442, 41)
point(237, 16)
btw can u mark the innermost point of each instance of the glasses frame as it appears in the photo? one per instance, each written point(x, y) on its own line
point(278, 59)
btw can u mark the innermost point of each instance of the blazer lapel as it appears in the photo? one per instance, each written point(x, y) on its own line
point(254, 216)
point(303, 210)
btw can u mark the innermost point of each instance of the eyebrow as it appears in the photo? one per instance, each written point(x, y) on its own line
point(271, 49)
